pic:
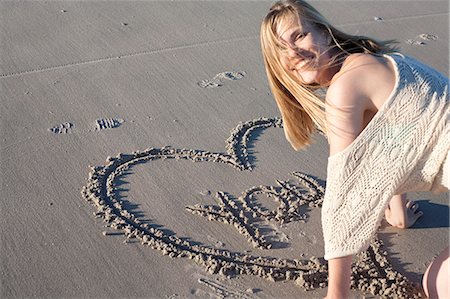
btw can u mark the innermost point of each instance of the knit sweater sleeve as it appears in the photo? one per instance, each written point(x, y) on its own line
point(356, 195)
point(408, 132)
point(359, 185)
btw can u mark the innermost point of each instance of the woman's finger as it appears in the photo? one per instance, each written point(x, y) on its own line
point(412, 205)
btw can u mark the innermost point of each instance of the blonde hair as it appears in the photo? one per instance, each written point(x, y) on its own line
point(301, 109)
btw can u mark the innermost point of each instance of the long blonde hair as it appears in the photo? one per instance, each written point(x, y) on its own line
point(302, 110)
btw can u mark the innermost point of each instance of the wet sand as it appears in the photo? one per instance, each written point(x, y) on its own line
point(160, 115)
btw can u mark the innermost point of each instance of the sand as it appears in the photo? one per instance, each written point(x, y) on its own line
point(131, 104)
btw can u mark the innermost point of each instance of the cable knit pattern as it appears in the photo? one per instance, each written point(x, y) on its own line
point(405, 147)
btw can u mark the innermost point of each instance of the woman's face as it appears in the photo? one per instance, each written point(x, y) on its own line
point(308, 51)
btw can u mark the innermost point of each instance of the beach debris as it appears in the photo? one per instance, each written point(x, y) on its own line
point(205, 192)
point(252, 290)
point(108, 123)
point(371, 271)
point(378, 19)
point(219, 244)
point(64, 128)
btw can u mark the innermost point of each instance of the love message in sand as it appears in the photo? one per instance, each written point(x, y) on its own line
point(372, 271)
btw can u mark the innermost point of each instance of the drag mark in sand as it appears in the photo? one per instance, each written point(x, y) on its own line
point(64, 128)
point(371, 270)
point(40, 69)
point(217, 80)
point(222, 291)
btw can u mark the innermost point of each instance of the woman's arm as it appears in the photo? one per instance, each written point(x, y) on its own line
point(339, 274)
point(345, 124)
point(347, 103)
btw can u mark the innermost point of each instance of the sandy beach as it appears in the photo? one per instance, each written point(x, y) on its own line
point(142, 155)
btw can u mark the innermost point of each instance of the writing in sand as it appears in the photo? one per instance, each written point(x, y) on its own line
point(371, 271)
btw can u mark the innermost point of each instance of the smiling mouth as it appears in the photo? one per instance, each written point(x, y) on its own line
point(304, 64)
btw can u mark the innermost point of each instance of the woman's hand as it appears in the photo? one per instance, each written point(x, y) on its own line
point(402, 213)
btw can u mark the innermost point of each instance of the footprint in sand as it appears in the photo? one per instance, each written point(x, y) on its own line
point(64, 128)
point(101, 124)
point(420, 39)
point(217, 80)
point(426, 36)
point(108, 123)
point(415, 42)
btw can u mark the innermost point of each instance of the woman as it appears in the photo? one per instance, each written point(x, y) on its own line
point(385, 116)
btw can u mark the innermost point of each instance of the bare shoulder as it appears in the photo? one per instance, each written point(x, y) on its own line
point(355, 92)
point(363, 77)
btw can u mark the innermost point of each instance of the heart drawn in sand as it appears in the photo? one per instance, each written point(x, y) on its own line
point(371, 270)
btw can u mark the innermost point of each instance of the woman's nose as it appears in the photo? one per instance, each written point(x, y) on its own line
point(294, 52)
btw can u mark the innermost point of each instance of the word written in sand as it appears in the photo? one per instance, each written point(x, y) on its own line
point(217, 80)
point(371, 271)
point(243, 213)
point(108, 123)
point(64, 128)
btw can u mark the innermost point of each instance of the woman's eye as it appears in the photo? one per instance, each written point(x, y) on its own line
point(296, 38)
point(299, 36)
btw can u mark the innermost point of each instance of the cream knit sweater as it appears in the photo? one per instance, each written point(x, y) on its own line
point(405, 147)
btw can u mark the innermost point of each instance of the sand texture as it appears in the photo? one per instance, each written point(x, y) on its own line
point(142, 155)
